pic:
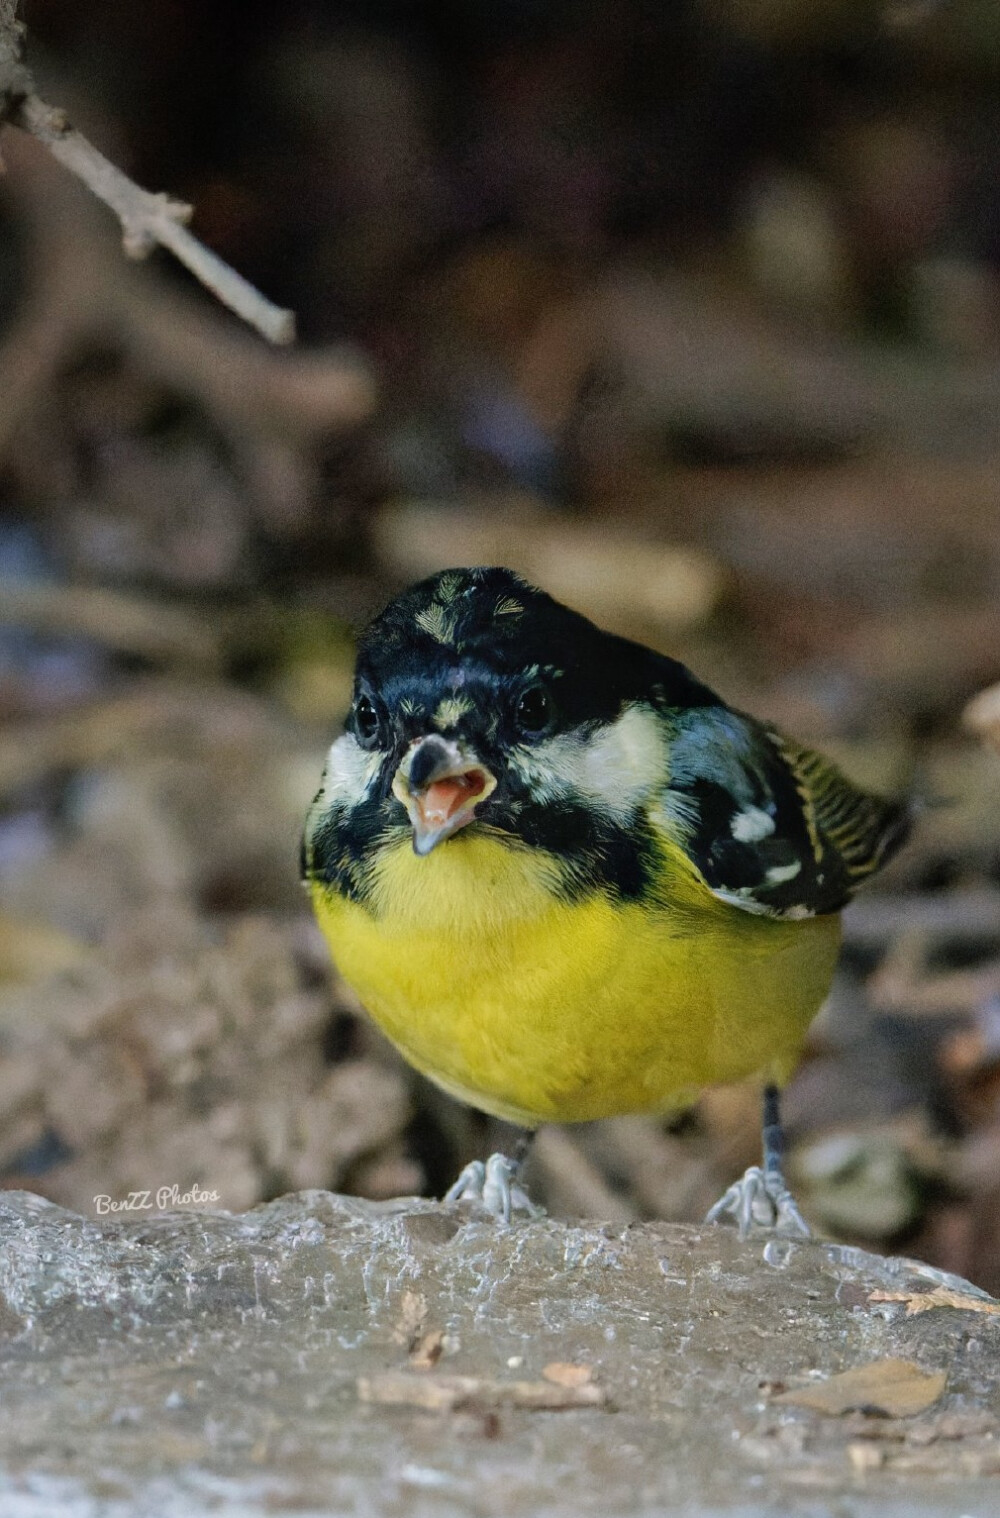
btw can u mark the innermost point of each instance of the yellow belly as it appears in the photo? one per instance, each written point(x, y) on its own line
point(539, 1010)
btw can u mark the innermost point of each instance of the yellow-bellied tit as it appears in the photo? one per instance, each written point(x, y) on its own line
point(568, 881)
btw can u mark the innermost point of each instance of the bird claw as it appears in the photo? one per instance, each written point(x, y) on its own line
point(494, 1186)
point(761, 1200)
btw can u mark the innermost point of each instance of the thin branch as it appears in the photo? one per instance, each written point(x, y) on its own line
point(277, 408)
point(150, 220)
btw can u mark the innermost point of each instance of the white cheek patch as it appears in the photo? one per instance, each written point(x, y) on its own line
point(626, 762)
point(350, 770)
point(618, 767)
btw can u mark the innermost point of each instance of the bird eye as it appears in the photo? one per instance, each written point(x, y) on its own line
point(366, 722)
point(534, 711)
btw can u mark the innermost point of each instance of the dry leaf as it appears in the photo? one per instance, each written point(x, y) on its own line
point(562, 1373)
point(412, 1312)
point(941, 1296)
point(896, 1388)
point(428, 1349)
point(444, 1393)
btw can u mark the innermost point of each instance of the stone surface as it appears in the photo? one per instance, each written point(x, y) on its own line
point(191, 1363)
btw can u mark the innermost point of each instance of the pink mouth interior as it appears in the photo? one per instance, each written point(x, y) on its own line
point(444, 798)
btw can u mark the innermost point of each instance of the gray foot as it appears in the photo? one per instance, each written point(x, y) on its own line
point(494, 1186)
point(761, 1201)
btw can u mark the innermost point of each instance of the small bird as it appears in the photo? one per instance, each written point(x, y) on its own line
point(569, 882)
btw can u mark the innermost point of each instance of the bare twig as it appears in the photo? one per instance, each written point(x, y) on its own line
point(274, 408)
point(150, 220)
point(147, 220)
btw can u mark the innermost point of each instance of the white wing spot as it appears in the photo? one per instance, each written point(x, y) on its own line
point(779, 872)
point(752, 825)
point(741, 897)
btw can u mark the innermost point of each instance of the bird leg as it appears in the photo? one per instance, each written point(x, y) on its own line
point(494, 1184)
point(761, 1198)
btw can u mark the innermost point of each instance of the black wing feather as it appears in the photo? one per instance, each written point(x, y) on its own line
point(772, 826)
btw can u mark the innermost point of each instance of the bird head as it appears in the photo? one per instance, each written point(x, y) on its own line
point(482, 703)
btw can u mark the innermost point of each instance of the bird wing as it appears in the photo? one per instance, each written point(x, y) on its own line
point(772, 826)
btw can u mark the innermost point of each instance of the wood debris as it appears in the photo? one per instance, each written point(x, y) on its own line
point(412, 1312)
point(889, 1388)
point(446, 1393)
point(428, 1349)
point(565, 1373)
point(941, 1296)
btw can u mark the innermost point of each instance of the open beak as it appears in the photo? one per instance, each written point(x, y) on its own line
point(440, 784)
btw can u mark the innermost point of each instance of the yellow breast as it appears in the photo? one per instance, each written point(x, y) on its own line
point(542, 1010)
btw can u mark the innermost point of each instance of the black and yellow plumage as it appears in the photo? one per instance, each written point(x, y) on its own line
point(565, 878)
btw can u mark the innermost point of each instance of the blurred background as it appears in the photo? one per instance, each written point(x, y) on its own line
point(691, 312)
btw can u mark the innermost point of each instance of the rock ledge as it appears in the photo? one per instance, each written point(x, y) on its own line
point(323, 1354)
